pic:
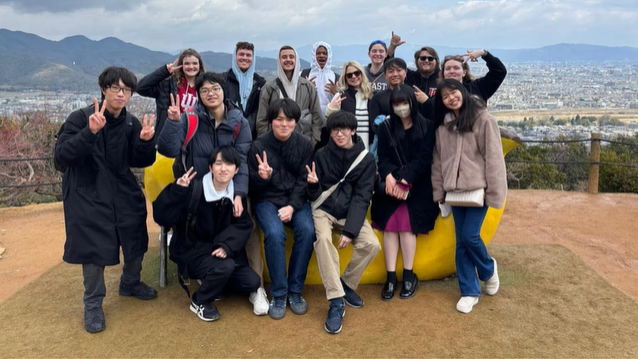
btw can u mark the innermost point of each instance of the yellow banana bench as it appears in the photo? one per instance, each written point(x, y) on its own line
point(434, 257)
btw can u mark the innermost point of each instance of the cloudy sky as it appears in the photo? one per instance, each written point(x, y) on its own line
point(216, 25)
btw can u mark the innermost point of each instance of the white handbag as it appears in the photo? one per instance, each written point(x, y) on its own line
point(474, 198)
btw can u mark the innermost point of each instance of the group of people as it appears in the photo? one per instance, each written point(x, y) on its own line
point(310, 150)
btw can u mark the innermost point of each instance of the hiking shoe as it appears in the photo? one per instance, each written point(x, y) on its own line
point(335, 317)
point(465, 304)
point(298, 305)
point(260, 301)
point(492, 284)
point(94, 320)
point(138, 290)
point(206, 312)
point(352, 298)
point(277, 308)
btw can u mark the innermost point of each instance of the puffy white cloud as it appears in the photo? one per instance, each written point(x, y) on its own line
point(218, 24)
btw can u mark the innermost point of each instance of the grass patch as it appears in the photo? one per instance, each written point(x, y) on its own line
point(550, 305)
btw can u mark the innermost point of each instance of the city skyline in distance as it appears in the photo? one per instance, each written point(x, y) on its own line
point(217, 26)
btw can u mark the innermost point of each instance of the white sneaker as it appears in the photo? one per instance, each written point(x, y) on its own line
point(492, 284)
point(260, 302)
point(465, 304)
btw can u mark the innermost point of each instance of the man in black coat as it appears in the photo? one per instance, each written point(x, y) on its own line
point(345, 210)
point(209, 240)
point(104, 207)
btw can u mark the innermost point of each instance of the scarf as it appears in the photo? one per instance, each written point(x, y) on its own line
point(212, 195)
point(245, 80)
point(289, 86)
point(323, 76)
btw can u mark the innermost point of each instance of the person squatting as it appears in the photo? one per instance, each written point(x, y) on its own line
point(309, 150)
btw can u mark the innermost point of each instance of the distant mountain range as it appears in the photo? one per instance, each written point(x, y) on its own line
point(28, 61)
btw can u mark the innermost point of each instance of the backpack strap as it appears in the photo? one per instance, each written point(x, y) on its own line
point(305, 73)
point(192, 125)
point(325, 194)
point(281, 87)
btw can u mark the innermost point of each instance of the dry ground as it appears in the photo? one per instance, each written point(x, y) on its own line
point(601, 229)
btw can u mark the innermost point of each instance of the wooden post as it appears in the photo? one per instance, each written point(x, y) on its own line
point(594, 159)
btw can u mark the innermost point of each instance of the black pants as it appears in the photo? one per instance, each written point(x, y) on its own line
point(217, 273)
point(94, 287)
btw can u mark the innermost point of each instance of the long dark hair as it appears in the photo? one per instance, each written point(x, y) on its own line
point(400, 94)
point(470, 105)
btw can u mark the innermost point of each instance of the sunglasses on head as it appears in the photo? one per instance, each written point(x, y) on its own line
point(377, 42)
point(427, 58)
point(350, 75)
point(454, 57)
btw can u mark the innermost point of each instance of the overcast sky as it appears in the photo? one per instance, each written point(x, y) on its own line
point(216, 25)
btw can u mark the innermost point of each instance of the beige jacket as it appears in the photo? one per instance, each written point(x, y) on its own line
point(470, 160)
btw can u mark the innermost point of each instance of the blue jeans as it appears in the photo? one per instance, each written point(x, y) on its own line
point(471, 255)
point(275, 247)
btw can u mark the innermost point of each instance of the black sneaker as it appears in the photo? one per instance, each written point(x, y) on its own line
point(335, 317)
point(206, 312)
point(352, 298)
point(138, 290)
point(94, 320)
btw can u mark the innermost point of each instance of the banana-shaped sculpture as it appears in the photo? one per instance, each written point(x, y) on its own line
point(434, 256)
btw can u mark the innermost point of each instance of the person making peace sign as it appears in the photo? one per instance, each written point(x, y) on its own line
point(277, 168)
point(104, 207)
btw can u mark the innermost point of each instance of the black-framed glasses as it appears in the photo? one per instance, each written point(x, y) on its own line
point(344, 131)
point(427, 58)
point(350, 75)
point(117, 89)
point(377, 42)
point(453, 57)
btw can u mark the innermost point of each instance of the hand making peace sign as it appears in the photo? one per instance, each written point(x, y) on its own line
point(172, 67)
point(186, 179)
point(173, 110)
point(148, 129)
point(97, 119)
point(421, 97)
point(312, 174)
point(264, 170)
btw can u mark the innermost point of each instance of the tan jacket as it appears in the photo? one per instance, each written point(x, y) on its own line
point(470, 160)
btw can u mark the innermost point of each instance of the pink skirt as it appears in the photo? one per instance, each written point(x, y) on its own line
point(398, 222)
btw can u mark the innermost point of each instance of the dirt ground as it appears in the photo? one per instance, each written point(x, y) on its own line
point(602, 229)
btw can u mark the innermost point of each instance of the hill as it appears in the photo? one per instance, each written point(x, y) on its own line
point(28, 61)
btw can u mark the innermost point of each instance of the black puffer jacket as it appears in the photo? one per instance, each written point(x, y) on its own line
point(104, 207)
point(206, 139)
point(352, 197)
point(252, 106)
point(158, 85)
point(287, 184)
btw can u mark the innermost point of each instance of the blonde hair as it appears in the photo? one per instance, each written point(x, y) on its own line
point(365, 87)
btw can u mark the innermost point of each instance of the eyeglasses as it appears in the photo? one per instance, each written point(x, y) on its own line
point(344, 131)
point(206, 90)
point(377, 42)
point(117, 89)
point(427, 58)
point(454, 57)
point(350, 75)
